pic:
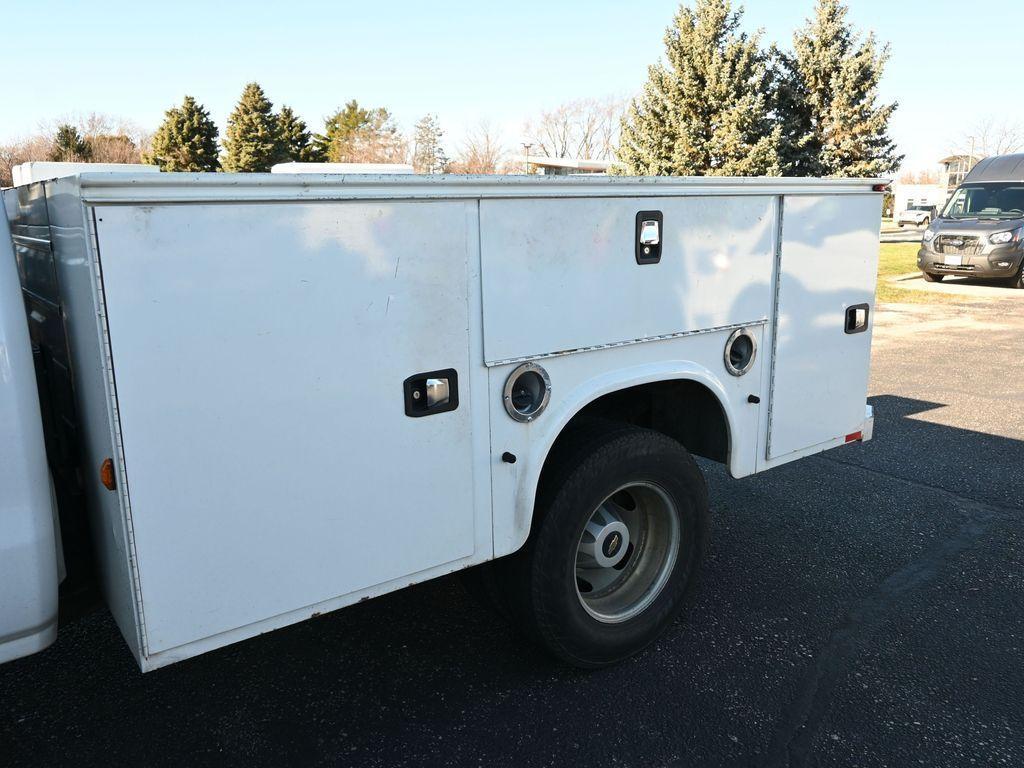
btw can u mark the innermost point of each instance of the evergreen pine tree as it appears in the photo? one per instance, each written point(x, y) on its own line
point(69, 146)
point(831, 124)
point(295, 140)
point(706, 111)
point(357, 135)
point(252, 143)
point(185, 141)
point(339, 130)
point(427, 154)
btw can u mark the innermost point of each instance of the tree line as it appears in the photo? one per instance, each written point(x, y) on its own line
point(719, 102)
point(258, 137)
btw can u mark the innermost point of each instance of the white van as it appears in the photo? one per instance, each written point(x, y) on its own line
point(283, 394)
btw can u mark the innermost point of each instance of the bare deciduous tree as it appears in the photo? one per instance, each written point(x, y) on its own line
point(481, 152)
point(21, 151)
point(989, 137)
point(584, 129)
point(110, 139)
point(919, 177)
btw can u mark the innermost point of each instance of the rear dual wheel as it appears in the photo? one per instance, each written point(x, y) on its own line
point(619, 534)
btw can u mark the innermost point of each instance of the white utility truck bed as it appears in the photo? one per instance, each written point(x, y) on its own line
point(307, 386)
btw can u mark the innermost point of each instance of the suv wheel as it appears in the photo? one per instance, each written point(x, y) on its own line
point(1018, 281)
point(930, 278)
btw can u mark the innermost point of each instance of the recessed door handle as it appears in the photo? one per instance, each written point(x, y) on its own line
point(649, 237)
point(856, 318)
point(431, 392)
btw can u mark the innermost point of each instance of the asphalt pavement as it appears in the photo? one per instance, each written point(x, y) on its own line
point(864, 607)
point(966, 288)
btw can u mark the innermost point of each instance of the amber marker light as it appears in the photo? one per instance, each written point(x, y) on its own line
point(107, 474)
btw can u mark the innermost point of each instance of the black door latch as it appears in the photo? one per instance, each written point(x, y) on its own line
point(648, 237)
point(856, 318)
point(431, 392)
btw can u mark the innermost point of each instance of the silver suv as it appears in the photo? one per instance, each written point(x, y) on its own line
point(979, 231)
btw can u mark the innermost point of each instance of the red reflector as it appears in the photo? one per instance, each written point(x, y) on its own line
point(854, 437)
point(880, 188)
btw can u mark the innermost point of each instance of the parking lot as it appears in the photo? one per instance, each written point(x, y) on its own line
point(906, 234)
point(964, 288)
point(859, 608)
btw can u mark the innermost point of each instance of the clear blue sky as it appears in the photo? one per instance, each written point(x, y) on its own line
point(953, 63)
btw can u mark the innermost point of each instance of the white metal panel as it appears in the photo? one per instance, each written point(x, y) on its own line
point(259, 353)
point(95, 408)
point(36, 170)
point(579, 379)
point(562, 274)
point(28, 549)
point(373, 168)
point(828, 262)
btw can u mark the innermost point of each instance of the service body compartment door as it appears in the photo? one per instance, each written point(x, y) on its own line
point(259, 354)
point(563, 274)
point(827, 269)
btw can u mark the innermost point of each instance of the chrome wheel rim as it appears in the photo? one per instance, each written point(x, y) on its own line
point(626, 552)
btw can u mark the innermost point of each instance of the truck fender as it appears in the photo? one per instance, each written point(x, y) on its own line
point(568, 406)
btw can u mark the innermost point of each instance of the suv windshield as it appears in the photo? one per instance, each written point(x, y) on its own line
point(918, 207)
point(986, 201)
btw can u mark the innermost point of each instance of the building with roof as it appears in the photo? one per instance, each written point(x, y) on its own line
point(563, 166)
point(953, 170)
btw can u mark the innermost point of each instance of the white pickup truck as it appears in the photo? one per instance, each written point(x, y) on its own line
point(270, 396)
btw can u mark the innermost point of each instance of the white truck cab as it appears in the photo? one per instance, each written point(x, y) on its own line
point(280, 394)
point(30, 561)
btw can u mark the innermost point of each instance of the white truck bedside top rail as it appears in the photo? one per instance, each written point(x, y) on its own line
point(209, 187)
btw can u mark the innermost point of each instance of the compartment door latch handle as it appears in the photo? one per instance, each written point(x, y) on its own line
point(432, 392)
point(649, 237)
point(856, 318)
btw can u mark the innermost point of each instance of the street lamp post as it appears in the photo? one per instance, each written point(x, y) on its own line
point(527, 148)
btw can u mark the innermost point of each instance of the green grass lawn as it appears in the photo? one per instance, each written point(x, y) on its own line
point(899, 259)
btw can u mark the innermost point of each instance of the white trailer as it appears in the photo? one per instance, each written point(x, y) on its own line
point(289, 393)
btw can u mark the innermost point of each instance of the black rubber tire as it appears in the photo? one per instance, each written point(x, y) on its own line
point(930, 278)
point(539, 581)
point(899, 224)
point(1018, 280)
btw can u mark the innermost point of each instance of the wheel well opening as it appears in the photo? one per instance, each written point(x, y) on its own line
point(683, 409)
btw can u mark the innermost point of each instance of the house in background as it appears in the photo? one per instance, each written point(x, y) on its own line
point(906, 195)
point(954, 169)
point(563, 166)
